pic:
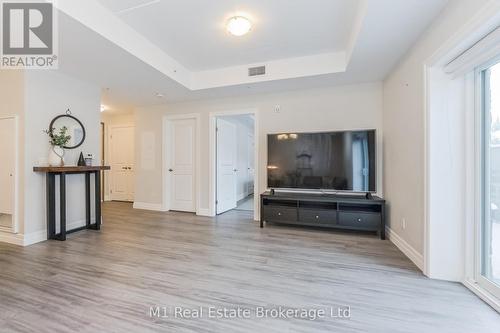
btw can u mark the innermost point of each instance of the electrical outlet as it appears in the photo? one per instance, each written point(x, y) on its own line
point(277, 108)
point(403, 223)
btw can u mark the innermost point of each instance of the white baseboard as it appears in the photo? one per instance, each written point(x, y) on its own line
point(407, 249)
point(148, 206)
point(36, 236)
point(8, 237)
point(204, 212)
point(23, 239)
point(483, 294)
point(159, 208)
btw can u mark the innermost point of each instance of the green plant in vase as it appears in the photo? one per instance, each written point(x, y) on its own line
point(58, 140)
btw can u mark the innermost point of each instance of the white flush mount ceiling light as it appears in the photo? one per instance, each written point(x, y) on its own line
point(239, 25)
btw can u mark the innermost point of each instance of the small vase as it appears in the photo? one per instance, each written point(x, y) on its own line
point(56, 156)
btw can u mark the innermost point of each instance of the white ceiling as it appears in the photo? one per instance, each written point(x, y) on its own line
point(136, 53)
point(193, 32)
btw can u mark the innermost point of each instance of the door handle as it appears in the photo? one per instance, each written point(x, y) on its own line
point(170, 170)
point(235, 170)
point(124, 168)
point(129, 168)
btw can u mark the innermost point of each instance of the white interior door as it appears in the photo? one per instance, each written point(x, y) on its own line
point(122, 163)
point(226, 166)
point(7, 164)
point(181, 156)
point(251, 164)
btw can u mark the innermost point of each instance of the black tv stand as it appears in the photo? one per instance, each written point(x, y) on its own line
point(335, 211)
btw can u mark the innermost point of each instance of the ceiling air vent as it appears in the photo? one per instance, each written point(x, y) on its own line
point(255, 71)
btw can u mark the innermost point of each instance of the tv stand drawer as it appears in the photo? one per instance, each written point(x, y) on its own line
point(280, 214)
point(360, 220)
point(318, 216)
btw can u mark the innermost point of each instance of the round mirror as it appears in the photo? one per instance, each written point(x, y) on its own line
point(74, 128)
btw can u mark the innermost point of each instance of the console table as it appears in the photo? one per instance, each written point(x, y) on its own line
point(324, 210)
point(52, 172)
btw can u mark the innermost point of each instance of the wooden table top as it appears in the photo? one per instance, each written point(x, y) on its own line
point(71, 168)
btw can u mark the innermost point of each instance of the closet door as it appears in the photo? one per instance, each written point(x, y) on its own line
point(122, 163)
point(181, 152)
point(8, 138)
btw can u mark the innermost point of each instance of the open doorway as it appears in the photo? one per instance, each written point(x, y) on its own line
point(235, 162)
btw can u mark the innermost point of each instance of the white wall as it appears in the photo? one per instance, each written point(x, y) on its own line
point(334, 108)
point(405, 132)
point(48, 94)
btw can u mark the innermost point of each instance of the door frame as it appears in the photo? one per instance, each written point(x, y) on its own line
point(110, 155)
point(103, 160)
point(15, 215)
point(165, 159)
point(212, 119)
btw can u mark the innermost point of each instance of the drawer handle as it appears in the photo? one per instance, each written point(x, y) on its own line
point(359, 220)
point(317, 217)
point(279, 214)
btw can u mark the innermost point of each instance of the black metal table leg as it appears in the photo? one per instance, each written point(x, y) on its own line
point(261, 214)
point(62, 205)
point(51, 206)
point(97, 189)
point(87, 199)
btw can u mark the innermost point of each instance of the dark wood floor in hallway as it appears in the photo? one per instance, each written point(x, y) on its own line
point(107, 281)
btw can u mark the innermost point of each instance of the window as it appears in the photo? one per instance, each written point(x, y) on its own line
point(489, 238)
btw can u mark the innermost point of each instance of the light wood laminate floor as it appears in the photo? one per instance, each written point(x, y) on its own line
point(106, 281)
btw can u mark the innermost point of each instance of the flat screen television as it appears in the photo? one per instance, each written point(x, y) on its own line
point(337, 161)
